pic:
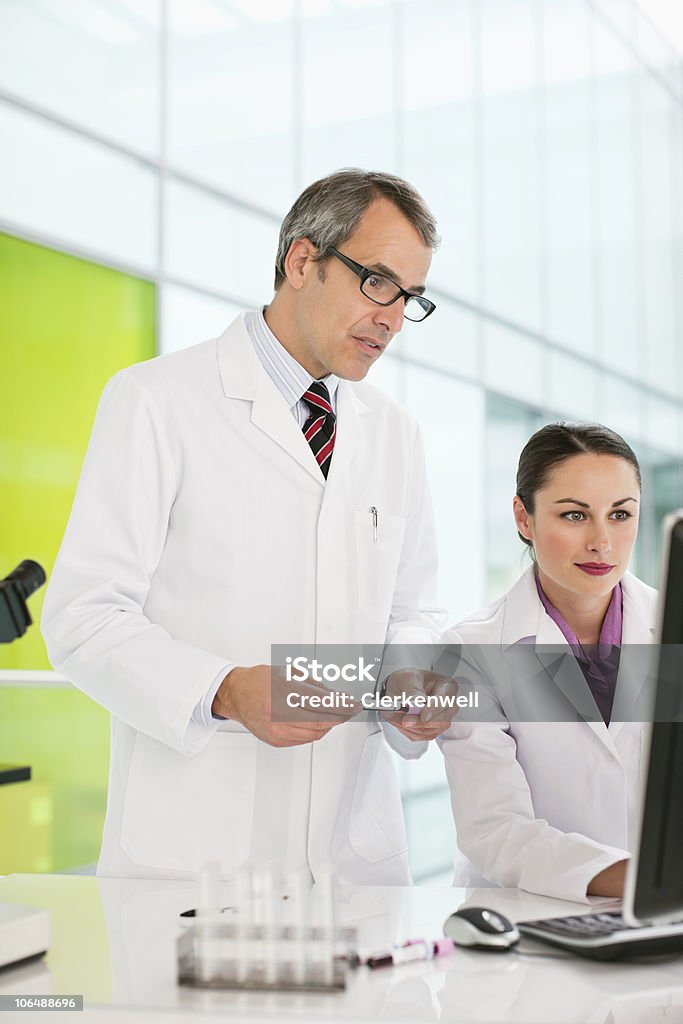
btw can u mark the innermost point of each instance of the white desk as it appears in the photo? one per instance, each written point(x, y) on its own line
point(114, 941)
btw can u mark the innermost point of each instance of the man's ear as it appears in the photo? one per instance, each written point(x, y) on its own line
point(299, 261)
point(522, 518)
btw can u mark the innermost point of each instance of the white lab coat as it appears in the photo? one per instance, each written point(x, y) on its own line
point(546, 805)
point(202, 532)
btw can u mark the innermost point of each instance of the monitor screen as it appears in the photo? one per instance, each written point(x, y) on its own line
point(654, 885)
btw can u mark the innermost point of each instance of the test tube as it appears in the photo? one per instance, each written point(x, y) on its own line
point(299, 888)
point(209, 891)
point(269, 918)
point(244, 924)
point(208, 915)
point(325, 887)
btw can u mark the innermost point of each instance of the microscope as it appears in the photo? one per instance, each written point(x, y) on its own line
point(24, 931)
point(15, 590)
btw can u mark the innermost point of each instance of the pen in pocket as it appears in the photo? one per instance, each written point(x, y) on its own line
point(375, 519)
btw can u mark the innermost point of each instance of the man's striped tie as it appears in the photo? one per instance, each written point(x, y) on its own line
point(321, 426)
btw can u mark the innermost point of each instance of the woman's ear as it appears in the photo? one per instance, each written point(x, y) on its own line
point(522, 518)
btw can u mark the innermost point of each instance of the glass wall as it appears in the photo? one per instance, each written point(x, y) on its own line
point(168, 137)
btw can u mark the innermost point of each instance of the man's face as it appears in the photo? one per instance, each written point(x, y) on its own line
point(338, 329)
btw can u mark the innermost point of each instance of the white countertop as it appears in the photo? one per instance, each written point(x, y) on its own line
point(114, 940)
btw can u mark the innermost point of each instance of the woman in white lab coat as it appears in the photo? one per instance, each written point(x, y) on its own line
point(545, 789)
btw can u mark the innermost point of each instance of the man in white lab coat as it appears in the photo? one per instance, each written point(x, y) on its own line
point(227, 503)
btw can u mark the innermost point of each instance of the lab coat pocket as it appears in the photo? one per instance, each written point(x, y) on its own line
point(182, 811)
point(379, 539)
point(376, 829)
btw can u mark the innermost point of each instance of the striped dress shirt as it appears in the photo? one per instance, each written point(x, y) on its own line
point(288, 376)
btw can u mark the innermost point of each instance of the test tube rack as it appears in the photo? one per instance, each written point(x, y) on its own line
point(286, 958)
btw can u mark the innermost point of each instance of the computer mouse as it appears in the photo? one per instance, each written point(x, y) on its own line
point(480, 928)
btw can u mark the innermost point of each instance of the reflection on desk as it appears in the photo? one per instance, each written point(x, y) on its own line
point(114, 940)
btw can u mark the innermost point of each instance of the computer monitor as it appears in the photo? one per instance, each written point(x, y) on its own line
point(654, 883)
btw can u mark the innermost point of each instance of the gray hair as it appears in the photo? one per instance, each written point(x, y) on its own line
point(328, 211)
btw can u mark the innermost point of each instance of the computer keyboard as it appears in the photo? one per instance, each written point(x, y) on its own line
point(605, 936)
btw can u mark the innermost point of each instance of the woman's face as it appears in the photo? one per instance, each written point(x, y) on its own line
point(584, 523)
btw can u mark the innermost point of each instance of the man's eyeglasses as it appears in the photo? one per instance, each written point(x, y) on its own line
point(384, 291)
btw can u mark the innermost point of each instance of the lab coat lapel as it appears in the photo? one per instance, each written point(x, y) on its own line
point(569, 678)
point(350, 436)
point(526, 617)
point(638, 662)
point(271, 414)
point(555, 655)
point(243, 377)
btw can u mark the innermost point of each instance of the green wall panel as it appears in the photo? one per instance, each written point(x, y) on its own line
point(66, 325)
point(58, 816)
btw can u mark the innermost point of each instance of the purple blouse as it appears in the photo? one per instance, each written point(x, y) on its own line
point(601, 666)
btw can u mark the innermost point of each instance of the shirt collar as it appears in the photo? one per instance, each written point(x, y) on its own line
point(289, 376)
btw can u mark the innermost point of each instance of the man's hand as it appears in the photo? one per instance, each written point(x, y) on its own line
point(432, 719)
point(257, 698)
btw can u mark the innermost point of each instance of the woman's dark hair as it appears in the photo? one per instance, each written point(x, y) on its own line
point(556, 442)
